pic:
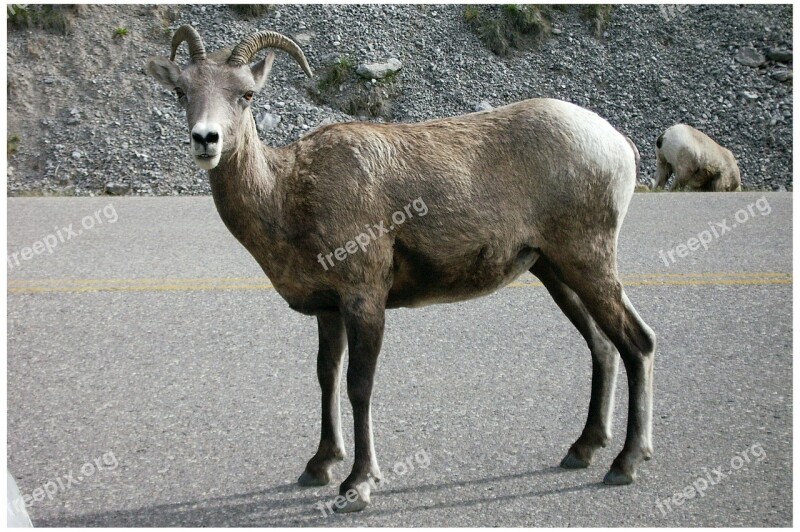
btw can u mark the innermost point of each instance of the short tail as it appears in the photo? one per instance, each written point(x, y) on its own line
point(635, 155)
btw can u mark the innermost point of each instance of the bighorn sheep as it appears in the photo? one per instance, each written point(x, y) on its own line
point(698, 161)
point(541, 186)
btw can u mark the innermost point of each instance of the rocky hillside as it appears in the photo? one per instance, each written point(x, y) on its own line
point(84, 119)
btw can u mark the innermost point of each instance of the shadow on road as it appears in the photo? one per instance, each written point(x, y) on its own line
point(268, 508)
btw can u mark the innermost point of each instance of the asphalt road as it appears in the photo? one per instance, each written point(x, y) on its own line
point(155, 379)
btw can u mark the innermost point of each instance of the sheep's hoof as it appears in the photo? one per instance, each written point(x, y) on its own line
point(311, 480)
point(351, 506)
point(618, 478)
point(571, 461)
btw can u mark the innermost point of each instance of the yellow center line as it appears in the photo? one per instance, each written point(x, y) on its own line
point(39, 286)
point(189, 280)
point(708, 274)
point(686, 282)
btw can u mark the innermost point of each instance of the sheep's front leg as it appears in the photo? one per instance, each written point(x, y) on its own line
point(329, 365)
point(364, 322)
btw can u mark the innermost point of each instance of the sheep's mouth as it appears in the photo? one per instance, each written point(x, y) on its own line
point(206, 161)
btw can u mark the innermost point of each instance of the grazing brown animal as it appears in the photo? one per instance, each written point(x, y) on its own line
point(698, 162)
point(541, 186)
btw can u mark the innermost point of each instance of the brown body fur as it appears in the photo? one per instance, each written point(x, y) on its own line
point(486, 213)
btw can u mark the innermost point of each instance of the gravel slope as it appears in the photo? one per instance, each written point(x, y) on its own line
point(88, 115)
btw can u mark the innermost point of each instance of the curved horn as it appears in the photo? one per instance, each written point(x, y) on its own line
point(250, 46)
point(197, 51)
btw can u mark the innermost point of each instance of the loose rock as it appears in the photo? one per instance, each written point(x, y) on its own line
point(303, 38)
point(782, 75)
point(750, 57)
point(267, 121)
point(779, 56)
point(379, 70)
point(117, 189)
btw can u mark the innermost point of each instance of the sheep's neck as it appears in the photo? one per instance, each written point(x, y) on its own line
point(244, 186)
point(246, 169)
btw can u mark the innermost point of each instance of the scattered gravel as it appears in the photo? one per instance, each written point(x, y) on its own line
point(90, 121)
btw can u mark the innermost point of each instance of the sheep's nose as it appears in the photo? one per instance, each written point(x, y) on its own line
point(208, 138)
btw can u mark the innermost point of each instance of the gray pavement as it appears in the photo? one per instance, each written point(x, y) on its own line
point(155, 379)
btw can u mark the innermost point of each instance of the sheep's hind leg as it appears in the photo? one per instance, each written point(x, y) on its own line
point(663, 171)
point(591, 274)
point(605, 363)
point(329, 364)
point(364, 320)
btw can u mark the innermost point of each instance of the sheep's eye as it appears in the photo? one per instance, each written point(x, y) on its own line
point(249, 96)
point(179, 92)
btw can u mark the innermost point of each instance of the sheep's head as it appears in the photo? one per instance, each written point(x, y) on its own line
point(735, 179)
point(216, 89)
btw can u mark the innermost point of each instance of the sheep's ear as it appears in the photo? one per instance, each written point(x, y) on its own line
point(261, 70)
point(164, 71)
